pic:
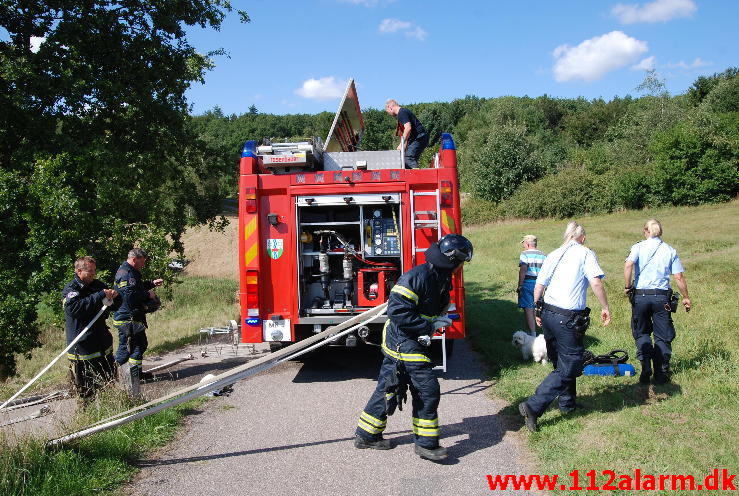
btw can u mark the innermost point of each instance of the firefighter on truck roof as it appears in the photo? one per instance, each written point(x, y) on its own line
point(416, 309)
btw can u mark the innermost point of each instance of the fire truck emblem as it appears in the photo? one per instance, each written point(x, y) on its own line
point(274, 247)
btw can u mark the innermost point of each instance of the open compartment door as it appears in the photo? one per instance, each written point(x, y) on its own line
point(348, 126)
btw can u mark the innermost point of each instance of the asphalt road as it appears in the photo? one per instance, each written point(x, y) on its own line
point(290, 431)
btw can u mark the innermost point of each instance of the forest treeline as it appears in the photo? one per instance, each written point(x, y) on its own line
point(549, 157)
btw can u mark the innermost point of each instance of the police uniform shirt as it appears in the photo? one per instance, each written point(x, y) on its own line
point(654, 261)
point(568, 283)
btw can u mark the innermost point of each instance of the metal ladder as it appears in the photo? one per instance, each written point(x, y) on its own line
point(432, 222)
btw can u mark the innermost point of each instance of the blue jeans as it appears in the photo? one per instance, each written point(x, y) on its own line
point(414, 150)
point(565, 350)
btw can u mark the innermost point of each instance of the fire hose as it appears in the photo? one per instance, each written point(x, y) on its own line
point(229, 377)
point(106, 303)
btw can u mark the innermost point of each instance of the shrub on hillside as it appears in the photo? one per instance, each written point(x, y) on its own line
point(565, 194)
point(495, 161)
point(479, 211)
point(696, 164)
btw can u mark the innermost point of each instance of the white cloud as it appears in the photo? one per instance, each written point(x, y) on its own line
point(327, 88)
point(36, 43)
point(656, 11)
point(593, 58)
point(698, 62)
point(646, 64)
point(393, 25)
point(417, 33)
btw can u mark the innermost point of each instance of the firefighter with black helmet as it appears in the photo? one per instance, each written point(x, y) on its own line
point(416, 310)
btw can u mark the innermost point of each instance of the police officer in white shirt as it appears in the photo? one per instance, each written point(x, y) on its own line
point(651, 262)
point(565, 318)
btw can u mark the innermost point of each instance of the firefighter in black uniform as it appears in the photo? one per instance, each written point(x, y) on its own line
point(415, 311)
point(130, 318)
point(91, 359)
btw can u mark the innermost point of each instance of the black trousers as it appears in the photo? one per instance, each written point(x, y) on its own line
point(132, 343)
point(653, 330)
point(565, 350)
point(425, 396)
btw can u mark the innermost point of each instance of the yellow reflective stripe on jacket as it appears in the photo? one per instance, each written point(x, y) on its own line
point(426, 432)
point(133, 361)
point(429, 317)
point(372, 420)
point(402, 290)
point(121, 284)
point(405, 357)
point(426, 422)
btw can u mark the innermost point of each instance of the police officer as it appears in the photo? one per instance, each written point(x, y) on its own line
point(564, 318)
point(91, 359)
point(414, 311)
point(652, 261)
point(130, 318)
point(415, 139)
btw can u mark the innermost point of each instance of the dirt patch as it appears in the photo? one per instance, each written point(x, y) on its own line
point(211, 253)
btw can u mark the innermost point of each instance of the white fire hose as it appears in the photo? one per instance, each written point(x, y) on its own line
point(229, 377)
point(106, 303)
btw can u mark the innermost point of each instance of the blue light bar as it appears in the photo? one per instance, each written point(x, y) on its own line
point(253, 321)
point(453, 316)
point(447, 143)
point(250, 149)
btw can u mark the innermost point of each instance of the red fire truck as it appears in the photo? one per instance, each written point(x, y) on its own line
point(325, 230)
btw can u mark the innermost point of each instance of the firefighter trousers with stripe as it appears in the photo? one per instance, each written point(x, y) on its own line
point(425, 396)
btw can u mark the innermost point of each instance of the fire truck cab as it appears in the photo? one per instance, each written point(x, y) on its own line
point(325, 230)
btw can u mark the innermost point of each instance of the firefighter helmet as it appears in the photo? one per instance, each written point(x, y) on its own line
point(456, 248)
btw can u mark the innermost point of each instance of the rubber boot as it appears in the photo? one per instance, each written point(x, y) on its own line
point(646, 371)
point(435, 454)
point(129, 377)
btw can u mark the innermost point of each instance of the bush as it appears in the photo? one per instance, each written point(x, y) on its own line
point(496, 161)
point(479, 211)
point(695, 164)
point(570, 192)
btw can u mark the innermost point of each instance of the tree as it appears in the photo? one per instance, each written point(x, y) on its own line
point(95, 151)
point(495, 161)
point(253, 110)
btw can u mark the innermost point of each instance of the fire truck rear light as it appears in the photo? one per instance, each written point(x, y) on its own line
point(252, 293)
point(446, 196)
point(253, 321)
point(250, 196)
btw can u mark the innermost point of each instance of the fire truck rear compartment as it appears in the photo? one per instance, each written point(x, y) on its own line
point(349, 257)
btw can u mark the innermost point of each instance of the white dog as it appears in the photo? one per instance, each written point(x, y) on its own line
point(530, 346)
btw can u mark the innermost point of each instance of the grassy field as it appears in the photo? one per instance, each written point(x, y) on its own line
point(690, 426)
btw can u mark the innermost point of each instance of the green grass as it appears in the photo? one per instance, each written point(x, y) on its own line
point(100, 463)
point(687, 427)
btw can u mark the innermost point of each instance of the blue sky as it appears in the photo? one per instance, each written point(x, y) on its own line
point(295, 56)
